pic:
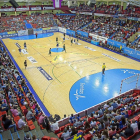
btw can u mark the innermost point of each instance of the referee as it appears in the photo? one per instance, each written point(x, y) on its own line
point(103, 68)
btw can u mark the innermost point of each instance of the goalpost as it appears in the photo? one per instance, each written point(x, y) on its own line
point(133, 82)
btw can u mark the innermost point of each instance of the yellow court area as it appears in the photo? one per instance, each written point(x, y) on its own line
point(65, 68)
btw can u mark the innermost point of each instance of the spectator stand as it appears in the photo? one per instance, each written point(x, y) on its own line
point(33, 127)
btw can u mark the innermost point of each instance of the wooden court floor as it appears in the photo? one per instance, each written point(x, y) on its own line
point(64, 68)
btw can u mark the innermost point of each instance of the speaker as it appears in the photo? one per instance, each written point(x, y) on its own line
point(14, 3)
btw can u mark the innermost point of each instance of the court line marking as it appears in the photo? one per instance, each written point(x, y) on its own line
point(55, 76)
point(41, 55)
point(75, 70)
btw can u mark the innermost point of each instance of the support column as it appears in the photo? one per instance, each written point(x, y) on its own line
point(121, 5)
point(57, 3)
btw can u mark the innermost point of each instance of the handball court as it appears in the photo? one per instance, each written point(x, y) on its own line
point(59, 92)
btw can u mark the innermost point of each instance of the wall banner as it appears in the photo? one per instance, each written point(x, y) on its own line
point(63, 30)
point(100, 38)
point(85, 34)
point(115, 43)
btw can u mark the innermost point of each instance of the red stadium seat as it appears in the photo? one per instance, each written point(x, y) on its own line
point(57, 131)
point(53, 139)
point(87, 137)
point(31, 127)
point(30, 122)
point(46, 138)
point(59, 135)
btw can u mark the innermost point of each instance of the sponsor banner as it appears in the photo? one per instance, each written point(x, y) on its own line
point(12, 32)
point(36, 8)
point(111, 57)
point(76, 136)
point(89, 48)
point(39, 29)
point(31, 59)
point(17, 45)
point(51, 30)
point(22, 9)
point(63, 30)
point(4, 33)
point(54, 28)
point(70, 32)
point(133, 18)
point(106, 15)
point(86, 13)
point(121, 15)
point(22, 32)
point(46, 28)
point(85, 34)
point(116, 43)
point(100, 38)
point(48, 77)
point(48, 8)
point(38, 32)
point(8, 35)
point(95, 42)
point(73, 11)
point(131, 52)
point(65, 14)
point(7, 9)
point(24, 51)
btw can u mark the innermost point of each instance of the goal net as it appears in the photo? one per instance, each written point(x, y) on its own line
point(132, 82)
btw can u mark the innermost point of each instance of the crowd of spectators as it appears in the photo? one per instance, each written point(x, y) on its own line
point(131, 11)
point(18, 107)
point(115, 119)
point(65, 18)
point(135, 44)
point(110, 9)
point(83, 8)
point(37, 20)
point(8, 24)
point(116, 29)
point(125, 32)
point(103, 26)
point(41, 21)
point(75, 22)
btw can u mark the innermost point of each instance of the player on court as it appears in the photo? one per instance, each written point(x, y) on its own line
point(19, 49)
point(63, 39)
point(50, 51)
point(57, 45)
point(25, 63)
point(71, 41)
point(74, 41)
point(69, 36)
point(56, 39)
point(25, 46)
point(64, 48)
point(103, 68)
point(77, 41)
point(36, 35)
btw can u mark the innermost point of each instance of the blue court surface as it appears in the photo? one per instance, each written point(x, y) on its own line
point(57, 50)
point(28, 37)
point(94, 89)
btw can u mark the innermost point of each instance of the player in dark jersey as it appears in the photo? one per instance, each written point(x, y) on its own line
point(50, 51)
point(64, 48)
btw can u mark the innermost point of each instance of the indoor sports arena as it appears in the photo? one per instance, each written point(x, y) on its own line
point(70, 70)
